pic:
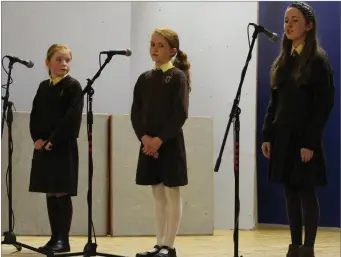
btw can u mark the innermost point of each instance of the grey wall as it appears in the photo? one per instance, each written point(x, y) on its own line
point(212, 33)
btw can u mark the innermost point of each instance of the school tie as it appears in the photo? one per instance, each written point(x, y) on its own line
point(294, 54)
point(158, 71)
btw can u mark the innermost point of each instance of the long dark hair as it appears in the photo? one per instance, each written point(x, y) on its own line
point(311, 47)
point(181, 60)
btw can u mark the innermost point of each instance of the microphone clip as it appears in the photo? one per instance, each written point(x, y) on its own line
point(260, 29)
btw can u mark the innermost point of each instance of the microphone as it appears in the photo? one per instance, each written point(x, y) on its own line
point(126, 52)
point(271, 35)
point(28, 64)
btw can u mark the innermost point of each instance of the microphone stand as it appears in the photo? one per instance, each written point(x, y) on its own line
point(90, 248)
point(9, 236)
point(234, 117)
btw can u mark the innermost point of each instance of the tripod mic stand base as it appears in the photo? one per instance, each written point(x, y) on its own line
point(11, 239)
point(90, 249)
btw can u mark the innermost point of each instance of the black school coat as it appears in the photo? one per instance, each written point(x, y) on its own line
point(295, 119)
point(56, 171)
point(160, 109)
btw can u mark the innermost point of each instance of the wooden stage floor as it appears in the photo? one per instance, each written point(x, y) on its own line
point(255, 243)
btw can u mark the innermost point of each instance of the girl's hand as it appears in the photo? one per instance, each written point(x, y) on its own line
point(155, 144)
point(38, 144)
point(306, 154)
point(266, 147)
point(153, 154)
point(146, 147)
point(145, 140)
point(48, 147)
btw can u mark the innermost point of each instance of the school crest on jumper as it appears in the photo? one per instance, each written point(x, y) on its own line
point(168, 79)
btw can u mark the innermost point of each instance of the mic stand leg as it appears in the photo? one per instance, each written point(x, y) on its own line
point(6, 97)
point(236, 130)
point(90, 249)
point(234, 117)
point(9, 236)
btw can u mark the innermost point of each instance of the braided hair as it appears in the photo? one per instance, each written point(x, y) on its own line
point(306, 10)
point(181, 60)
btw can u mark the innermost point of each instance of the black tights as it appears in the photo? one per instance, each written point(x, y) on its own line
point(298, 198)
point(60, 215)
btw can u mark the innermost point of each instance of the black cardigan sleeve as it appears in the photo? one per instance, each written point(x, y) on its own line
point(34, 117)
point(70, 124)
point(136, 110)
point(323, 102)
point(267, 130)
point(180, 106)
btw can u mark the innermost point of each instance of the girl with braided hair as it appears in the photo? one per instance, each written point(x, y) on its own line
point(302, 97)
point(159, 110)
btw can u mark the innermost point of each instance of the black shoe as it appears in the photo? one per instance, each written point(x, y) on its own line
point(150, 253)
point(166, 252)
point(49, 244)
point(293, 251)
point(61, 246)
point(306, 251)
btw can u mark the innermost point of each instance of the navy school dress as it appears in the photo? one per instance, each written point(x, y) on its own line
point(56, 171)
point(160, 109)
point(295, 119)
